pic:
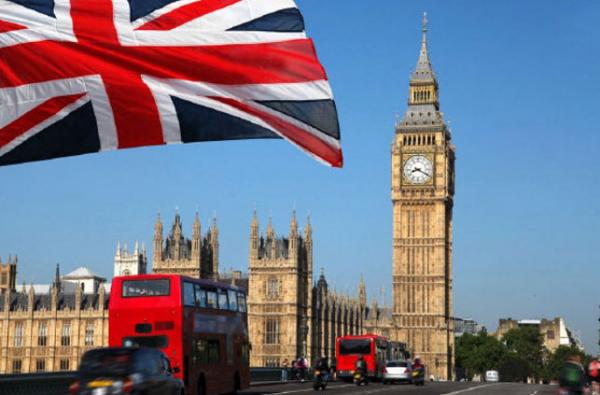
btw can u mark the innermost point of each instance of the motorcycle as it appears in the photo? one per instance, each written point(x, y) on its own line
point(582, 391)
point(360, 378)
point(320, 380)
point(418, 376)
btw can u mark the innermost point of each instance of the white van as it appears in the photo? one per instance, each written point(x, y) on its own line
point(492, 376)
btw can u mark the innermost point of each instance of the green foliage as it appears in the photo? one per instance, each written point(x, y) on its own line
point(514, 368)
point(527, 343)
point(520, 354)
point(477, 353)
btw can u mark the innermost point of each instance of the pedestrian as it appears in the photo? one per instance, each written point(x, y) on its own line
point(302, 366)
point(295, 369)
point(284, 369)
point(333, 368)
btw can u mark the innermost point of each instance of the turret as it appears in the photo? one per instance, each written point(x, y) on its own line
point(214, 241)
point(101, 297)
point(57, 284)
point(177, 236)
point(271, 236)
point(362, 292)
point(30, 298)
point(293, 235)
point(322, 286)
point(158, 240)
point(254, 237)
point(196, 239)
point(78, 295)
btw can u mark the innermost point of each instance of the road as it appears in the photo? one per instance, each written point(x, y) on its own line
point(450, 388)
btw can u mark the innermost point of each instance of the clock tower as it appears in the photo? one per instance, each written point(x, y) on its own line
point(422, 197)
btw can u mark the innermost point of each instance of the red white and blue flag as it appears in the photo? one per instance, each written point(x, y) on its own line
point(81, 76)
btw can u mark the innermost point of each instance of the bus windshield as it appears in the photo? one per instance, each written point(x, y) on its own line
point(355, 346)
point(142, 288)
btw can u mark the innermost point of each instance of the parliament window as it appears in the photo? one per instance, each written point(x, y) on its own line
point(43, 334)
point(272, 331)
point(17, 364)
point(65, 338)
point(89, 334)
point(273, 288)
point(40, 365)
point(271, 362)
point(64, 364)
point(19, 334)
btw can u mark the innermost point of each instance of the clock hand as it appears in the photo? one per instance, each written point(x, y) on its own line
point(427, 174)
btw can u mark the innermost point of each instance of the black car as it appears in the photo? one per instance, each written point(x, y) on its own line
point(108, 371)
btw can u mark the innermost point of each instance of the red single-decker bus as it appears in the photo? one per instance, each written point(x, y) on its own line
point(200, 325)
point(373, 348)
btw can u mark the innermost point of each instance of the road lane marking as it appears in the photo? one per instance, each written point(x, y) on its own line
point(470, 389)
point(329, 388)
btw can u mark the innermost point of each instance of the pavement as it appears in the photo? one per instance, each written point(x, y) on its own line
point(448, 388)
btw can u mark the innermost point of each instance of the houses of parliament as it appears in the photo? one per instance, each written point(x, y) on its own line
point(292, 311)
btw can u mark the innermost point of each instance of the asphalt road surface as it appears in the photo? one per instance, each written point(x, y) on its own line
point(449, 388)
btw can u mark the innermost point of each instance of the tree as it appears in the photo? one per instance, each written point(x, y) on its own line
point(527, 343)
point(475, 354)
point(514, 368)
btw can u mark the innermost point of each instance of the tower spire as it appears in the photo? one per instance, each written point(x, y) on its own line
point(424, 70)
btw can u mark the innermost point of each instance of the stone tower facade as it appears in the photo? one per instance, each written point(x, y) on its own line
point(422, 197)
point(279, 293)
point(196, 257)
point(130, 264)
point(8, 274)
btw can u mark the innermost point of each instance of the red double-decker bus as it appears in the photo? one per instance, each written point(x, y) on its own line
point(373, 348)
point(200, 325)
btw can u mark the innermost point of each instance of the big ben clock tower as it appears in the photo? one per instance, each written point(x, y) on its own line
point(422, 197)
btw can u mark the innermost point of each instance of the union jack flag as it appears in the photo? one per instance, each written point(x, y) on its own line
point(82, 76)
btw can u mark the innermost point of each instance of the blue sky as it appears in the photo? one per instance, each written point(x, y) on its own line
point(519, 82)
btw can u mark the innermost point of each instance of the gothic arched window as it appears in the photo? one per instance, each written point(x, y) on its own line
point(272, 288)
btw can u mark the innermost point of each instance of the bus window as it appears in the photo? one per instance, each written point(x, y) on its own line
point(188, 294)
point(146, 341)
point(233, 306)
point(211, 298)
point(206, 351)
point(200, 296)
point(242, 302)
point(355, 346)
point(223, 305)
point(141, 288)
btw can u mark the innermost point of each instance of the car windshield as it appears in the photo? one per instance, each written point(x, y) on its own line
point(397, 364)
point(106, 362)
point(355, 346)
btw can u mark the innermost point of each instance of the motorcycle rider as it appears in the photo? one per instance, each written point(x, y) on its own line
point(594, 375)
point(419, 368)
point(361, 367)
point(572, 375)
point(323, 366)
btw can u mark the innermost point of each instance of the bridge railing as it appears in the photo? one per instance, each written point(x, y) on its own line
point(57, 383)
point(37, 383)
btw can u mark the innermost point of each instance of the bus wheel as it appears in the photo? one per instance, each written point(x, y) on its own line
point(237, 386)
point(201, 387)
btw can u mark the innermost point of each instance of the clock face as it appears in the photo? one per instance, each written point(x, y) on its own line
point(418, 169)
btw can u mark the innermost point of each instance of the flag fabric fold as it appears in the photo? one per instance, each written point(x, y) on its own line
point(82, 76)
